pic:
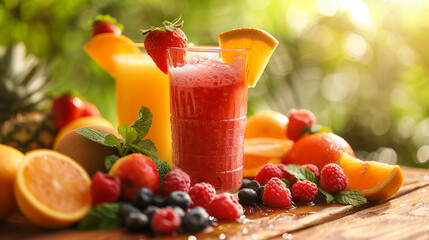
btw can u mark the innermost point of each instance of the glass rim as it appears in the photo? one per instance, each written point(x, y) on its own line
point(207, 49)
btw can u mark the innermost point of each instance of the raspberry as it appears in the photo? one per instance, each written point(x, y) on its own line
point(165, 221)
point(225, 207)
point(267, 172)
point(202, 194)
point(304, 191)
point(176, 180)
point(291, 178)
point(298, 121)
point(313, 168)
point(332, 178)
point(276, 193)
point(105, 188)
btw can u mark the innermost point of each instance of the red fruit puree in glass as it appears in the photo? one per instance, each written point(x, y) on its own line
point(208, 117)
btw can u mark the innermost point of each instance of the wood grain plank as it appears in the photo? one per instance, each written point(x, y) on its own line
point(259, 224)
point(405, 217)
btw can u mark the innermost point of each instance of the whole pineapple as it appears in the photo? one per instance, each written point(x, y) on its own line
point(25, 121)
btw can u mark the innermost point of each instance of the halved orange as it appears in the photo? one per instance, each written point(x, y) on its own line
point(375, 180)
point(259, 151)
point(260, 46)
point(51, 189)
point(102, 47)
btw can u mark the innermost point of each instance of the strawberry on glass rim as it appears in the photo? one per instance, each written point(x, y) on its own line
point(106, 24)
point(158, 39)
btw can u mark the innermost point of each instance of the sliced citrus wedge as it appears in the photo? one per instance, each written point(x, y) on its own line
point(260, 46)
point(375, 180)
point(51, 189)
point(102, 47)
point(259, 151)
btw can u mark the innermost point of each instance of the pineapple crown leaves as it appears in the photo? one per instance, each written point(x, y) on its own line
point(168, 26)
point(109, 19)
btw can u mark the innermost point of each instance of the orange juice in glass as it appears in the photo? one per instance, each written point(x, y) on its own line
point(139, 82)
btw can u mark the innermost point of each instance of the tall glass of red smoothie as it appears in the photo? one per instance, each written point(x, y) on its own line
point(208, 100)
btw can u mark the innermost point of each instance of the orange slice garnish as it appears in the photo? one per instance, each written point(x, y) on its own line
point(102, 47)
point(51, 189)
point(260, 46)
point(267, 124)
point(375, 180)
point(259, 151)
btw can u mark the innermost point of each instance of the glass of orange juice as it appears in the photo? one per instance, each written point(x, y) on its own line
point(139, 82)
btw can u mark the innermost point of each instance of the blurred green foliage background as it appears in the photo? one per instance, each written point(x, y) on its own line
point(360, 66)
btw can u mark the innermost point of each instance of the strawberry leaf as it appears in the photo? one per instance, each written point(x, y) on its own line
point(313, 129)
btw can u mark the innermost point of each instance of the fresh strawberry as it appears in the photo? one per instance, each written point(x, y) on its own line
point(158, 39)
point(66, 108)
point(90, 110)
point(106, 24)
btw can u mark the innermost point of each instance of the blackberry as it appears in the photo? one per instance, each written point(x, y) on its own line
point(245, 182)
point(143, 198)
point(159, 201)
point(253, 185)
point(127, 208)
point(260, 193)
point(196, 220)
point(247, 196)
point(136, 222)
point(180, 199)
point(150, 211)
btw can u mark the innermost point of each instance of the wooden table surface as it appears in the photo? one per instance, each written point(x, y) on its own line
point(405, 216)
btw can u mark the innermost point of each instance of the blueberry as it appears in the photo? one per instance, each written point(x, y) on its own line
point(196, 220)
point(136, 222)
point(180, 199)
point(253, 185)
point(127, 208)
point(260, 193)
point(159, 201)
point(179, 211)
point(150, 211)
point(247, 196)
point(143, 198)
point(245, 182)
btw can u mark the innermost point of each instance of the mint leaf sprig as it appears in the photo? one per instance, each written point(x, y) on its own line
point(353, 198)
point(102, 217)
point(131, 143)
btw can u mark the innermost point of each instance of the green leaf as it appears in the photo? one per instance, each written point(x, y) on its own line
point(300, 173)
point(128, 133)
point(102, 217)
point(93, 135)
point(147, 147)
point(112, 140)
point(354, 198)
point(288, 184)
point(327, 197)
point(110, 160)
point(143, 123)
point(315, 129)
